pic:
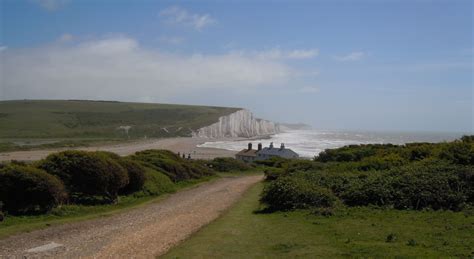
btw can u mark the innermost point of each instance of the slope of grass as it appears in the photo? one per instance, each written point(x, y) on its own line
point(354, 232)
point(32, 119)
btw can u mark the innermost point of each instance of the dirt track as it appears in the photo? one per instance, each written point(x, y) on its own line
point(144, 232)
point(182, 145)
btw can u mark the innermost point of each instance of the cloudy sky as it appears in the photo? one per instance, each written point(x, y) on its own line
point(363, 65)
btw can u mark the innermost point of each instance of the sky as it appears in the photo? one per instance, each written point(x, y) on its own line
point(388, 65)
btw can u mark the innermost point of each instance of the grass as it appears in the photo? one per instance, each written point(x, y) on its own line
point(74, 213)
point(73, 122)
point(353, 232)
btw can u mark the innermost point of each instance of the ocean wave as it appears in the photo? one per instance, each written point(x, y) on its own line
point(309, 143)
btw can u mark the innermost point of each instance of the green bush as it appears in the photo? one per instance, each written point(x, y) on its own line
point(136, 175)
point(413, 176)
point(458, 152)
point(176, 168)
point(352, 153)
point(435, 186)
point(380, 163)
point(272, 174)
point(87, 175)
point(156, 183)
point(278, 162)
point(135, 172)
point(25, 190)
point(289, 193)
point(227, 164)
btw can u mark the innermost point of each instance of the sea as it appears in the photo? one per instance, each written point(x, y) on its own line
point(309, 143)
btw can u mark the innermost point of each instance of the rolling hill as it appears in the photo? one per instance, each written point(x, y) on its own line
point(79, 119)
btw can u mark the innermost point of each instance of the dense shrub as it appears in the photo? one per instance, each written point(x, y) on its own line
point(227, 164)
point(412, 176)
point(176, 168)
point(156, 183)
point(459, 152)
point(302, 165)
point(273, 162)
point(288, 193)
point(26, 190)
point(436, 186)
point(352, 153)
point(136, 175)
point(135, 172)
point(87, 174)
point(272, 174)
point(380, 163)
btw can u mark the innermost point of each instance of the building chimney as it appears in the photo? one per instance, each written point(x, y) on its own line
point(282, 146)
point(259, 146)
point(271, 145)
point(250, 146)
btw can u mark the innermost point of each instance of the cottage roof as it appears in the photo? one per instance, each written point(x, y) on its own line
point(278, 152)
point(248, 152)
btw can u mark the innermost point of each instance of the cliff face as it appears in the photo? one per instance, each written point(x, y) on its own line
point(238, 124)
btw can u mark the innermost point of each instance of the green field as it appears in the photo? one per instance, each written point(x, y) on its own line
point(27, 123)
point(351, 232)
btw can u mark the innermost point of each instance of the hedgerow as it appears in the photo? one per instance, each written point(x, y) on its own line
point(413, 176)
point(227, 164)
point(176, 168)
point(87, 175)
point(288, 193)
point(25, 190)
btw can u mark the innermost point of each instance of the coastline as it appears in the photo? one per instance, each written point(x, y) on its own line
point(186, 145)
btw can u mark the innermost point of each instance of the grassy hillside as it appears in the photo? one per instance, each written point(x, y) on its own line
point(40, 119)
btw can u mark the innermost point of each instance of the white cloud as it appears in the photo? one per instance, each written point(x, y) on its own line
point(120, 69)
point(2, 48)
point(303, 54)
point(178, 15)
point(277, 53)
point(66, 37)
point(51, 5)
point(354, 56)
point(309, 90)
point(171, 40)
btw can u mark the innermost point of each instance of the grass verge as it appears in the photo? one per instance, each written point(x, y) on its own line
point(353, 232)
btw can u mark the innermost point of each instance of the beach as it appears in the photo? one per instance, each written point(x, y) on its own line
point(186, 145)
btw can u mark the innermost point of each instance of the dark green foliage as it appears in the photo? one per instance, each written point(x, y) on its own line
point(273, 162)
point(272, 173)
point(391, 238)
point(352, 153)
point(227, 164)
point(1, 212)
point(413, 176)
point(412, 242)
point(136, 175)
point(87, 174)
point(288, 193)
point(26, 190)
point(458, 152)
point(135, 172)
point(176, 168)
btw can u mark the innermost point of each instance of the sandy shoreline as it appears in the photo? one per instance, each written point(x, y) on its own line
point(185, 145)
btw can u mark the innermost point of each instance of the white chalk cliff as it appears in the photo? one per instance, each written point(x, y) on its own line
point(238, 124)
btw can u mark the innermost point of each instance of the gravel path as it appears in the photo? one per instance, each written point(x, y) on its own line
point(144, 232)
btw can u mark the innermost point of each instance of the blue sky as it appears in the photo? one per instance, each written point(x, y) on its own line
point(363, 65)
